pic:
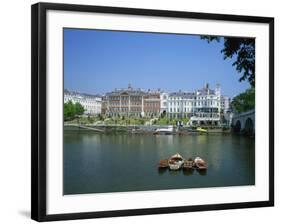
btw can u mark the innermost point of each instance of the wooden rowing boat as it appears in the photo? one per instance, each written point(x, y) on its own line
point(163, 163)
point(188, 164)
point(175, 162)
point(200, 164)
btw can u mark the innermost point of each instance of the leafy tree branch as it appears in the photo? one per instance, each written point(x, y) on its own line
point(244, 51)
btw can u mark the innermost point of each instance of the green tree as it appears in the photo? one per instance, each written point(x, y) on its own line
point(79, 109)
point(68, 111)
point(243, 50)
point(72, 110)
point(244, 101)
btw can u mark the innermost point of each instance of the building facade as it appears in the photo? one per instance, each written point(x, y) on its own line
point(225, 104)
point(180, 104)
point(125, 102)
point(164, 103)
point(152, 104)
point(202, 106)
point(207, 109)
point(91, 103)
point(133, 102)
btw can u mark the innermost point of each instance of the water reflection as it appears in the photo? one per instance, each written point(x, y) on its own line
point(96, 162)
point(161, 171)
point(202, 172)
point(188, 172)
point(173, 172)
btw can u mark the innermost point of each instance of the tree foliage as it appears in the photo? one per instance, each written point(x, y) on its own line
point(244, 101)
point(79, 109)
point(243, 49)
point(71, 110)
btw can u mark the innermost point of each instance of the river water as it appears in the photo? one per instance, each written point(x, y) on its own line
point(99, 163)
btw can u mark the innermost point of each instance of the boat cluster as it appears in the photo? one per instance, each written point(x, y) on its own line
point(177, 162)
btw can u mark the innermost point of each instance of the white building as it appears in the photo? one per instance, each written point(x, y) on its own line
point(225, 104)
point(202, 106)
point(181, 104)
point(91, 103)
point(207, 106)
point(164, 102)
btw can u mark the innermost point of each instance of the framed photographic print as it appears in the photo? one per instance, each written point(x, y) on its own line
point(140, 111)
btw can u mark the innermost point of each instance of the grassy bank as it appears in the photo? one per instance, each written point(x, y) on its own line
point(124, 121)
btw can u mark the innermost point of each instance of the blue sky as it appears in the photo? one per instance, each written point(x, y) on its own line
point(98, 61)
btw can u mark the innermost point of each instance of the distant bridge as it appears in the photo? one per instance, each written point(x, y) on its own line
point(244, 122)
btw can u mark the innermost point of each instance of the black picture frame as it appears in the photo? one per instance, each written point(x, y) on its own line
point(39, 115)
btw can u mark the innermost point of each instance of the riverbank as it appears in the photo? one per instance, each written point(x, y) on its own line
point(141, 129)
point(122, 120)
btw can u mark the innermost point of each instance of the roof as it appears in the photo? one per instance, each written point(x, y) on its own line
point(78, 94)
point(185, 95)
point(205, 91)
point(126, 91)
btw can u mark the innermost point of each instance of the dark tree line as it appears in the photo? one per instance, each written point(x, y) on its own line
point(244, 101)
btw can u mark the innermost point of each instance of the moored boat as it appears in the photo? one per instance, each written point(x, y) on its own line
point(201, 130)
point(163, 163)
point(200, 164)
point(164, 131)
point(175, 162)
point(188, 164)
